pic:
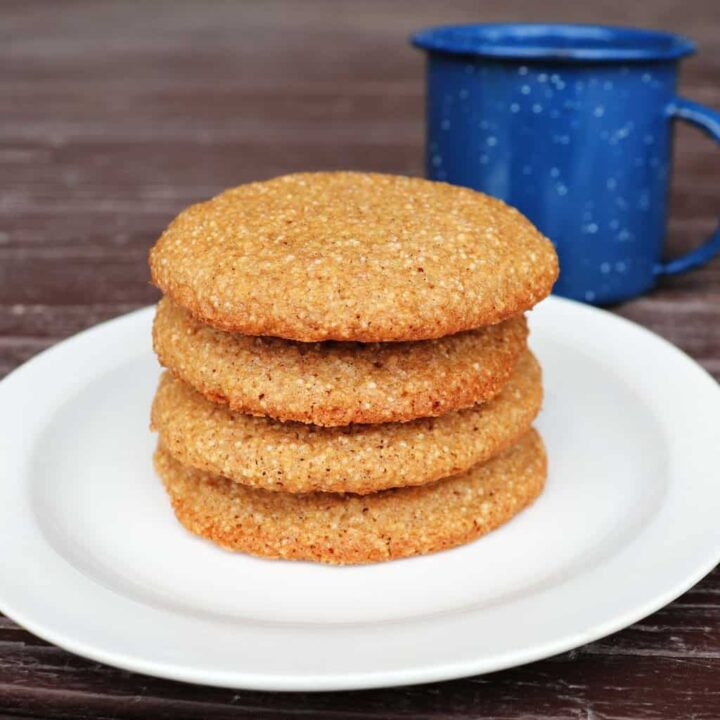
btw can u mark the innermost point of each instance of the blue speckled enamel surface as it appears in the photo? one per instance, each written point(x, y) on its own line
point(582, 148)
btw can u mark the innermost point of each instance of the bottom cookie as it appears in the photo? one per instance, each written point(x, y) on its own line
point(352, 529)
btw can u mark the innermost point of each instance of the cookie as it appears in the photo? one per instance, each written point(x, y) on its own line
point(337, 383)
point(297, 458)
point(350, 529)
point(352, 256)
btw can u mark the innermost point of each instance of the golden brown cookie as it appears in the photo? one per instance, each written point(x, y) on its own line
point(352, 256)
point(297, 458)
point(338, 383)
point(349, 529)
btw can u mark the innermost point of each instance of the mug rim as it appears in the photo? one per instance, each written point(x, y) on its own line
point(561, 42)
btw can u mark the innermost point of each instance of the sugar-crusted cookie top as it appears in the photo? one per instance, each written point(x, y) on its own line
point(352, 256)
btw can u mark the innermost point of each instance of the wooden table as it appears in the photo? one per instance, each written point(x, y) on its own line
point(115, 115)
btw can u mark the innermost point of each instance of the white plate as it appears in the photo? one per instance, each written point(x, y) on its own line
point(93, 560)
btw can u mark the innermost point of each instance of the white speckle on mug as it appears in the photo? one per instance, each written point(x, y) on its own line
point(599, 111)
point(542, 77)
point(646, 77)
point(484, 159)
point(522, 70)
point(561, 189)
point(605, 268)
point(436, 160)
point(614, 224)
point(514, 107)
point(608, 85)
point(620, 266)
point(554, 172)
point(589, 295)
point(649, 139)
point(624, 235)
point(491, 141)
point(621, 134)
point(590, 229)
point(611, 183)
point(537, 108)
point(561, 139)
point(464, 94)
point(525, 89)
point(445, 124)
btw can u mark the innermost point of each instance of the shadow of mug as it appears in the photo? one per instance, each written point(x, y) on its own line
point(572, 125)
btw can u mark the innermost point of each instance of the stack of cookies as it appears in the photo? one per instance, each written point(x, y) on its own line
point(348, 373)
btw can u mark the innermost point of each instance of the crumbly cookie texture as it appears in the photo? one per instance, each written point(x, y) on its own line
point(351, 529)
point(297, 458)
point(352, 256)
point(335, 383)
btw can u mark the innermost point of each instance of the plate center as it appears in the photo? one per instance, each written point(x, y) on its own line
point(99, 504)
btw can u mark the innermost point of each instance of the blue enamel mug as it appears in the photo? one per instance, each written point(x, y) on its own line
point(572, 125)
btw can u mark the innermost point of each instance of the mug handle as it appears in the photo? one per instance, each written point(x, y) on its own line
point(709, 121)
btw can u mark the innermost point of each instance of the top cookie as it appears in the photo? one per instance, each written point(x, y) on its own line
point(352, 256)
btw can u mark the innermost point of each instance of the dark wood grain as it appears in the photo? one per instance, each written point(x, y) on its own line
point(115, 115)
